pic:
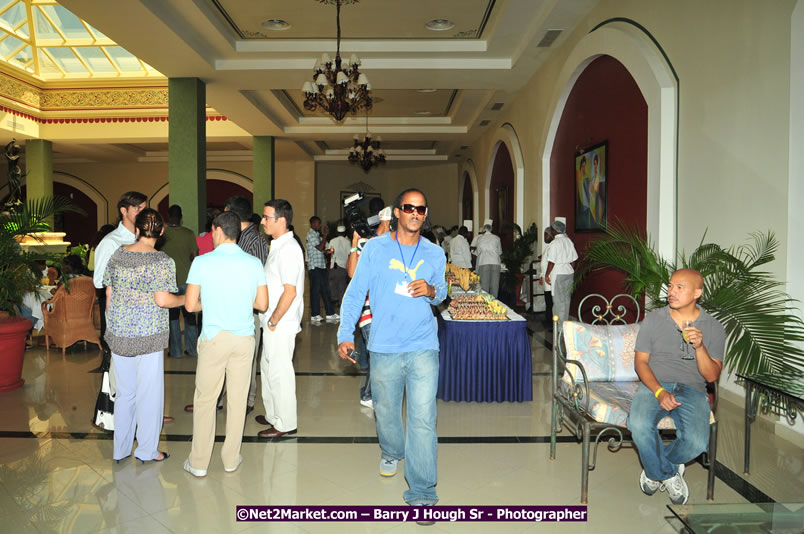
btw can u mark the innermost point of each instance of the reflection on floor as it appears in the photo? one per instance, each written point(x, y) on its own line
point(56, 472)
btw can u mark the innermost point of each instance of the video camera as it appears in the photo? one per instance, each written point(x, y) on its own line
point(354, 217)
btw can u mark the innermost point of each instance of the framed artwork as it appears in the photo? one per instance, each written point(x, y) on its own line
point(591, 188)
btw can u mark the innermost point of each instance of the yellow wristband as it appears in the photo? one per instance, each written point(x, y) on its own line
point(659, 391)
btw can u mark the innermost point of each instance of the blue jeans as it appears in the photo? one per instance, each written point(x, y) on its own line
point(414, 374)
point(661, 461)
point(365, 361)
point(190, 330)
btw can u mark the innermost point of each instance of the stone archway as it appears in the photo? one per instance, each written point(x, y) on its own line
point(507, 135)
point(632, 46)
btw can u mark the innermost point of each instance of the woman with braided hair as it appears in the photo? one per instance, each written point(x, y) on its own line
point(139, 281)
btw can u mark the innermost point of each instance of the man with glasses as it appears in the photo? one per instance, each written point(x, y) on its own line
point(405, 276)
point(679, 349)
point(284, 272)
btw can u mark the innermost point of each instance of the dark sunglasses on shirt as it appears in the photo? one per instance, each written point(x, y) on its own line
point(410, 208)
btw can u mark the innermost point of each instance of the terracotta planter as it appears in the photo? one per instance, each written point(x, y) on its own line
point(12, 349)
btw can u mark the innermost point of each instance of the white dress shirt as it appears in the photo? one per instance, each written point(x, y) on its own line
point(341, 246)
point(114, 240)
point(285, 265)
point(561, 253)
point(488, 249)
point(459, 252)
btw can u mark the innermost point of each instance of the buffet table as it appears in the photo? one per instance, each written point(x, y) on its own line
point(484, 361)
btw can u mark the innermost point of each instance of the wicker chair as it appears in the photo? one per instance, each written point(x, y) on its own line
point(69, 317)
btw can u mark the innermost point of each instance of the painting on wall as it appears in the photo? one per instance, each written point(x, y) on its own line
point(591, 212)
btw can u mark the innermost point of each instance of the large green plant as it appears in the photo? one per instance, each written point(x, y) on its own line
point(19, 272)
point(763, 328)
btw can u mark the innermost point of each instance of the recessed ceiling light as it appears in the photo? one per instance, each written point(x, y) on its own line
point(439, 25)
point(276, 25)
point(422, 112)
point(426, 90)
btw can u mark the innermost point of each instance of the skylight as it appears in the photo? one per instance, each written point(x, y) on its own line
point(48, 41)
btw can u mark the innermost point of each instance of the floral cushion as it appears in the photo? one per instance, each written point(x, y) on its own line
point(610, 402)
point(606, 352)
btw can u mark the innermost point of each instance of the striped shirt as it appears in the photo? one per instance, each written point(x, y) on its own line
point(315, 258)
point(251, 242)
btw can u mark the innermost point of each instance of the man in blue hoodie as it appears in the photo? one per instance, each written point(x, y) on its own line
point(405, 275)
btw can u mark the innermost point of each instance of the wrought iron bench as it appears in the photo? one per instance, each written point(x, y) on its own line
point(594, 381)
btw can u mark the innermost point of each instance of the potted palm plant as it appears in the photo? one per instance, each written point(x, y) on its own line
point(763, 328)
point(514, 257)
point(19, 274)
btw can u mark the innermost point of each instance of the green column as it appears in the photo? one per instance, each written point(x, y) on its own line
point(39, 165)
point(263, 173)
point(187, 156)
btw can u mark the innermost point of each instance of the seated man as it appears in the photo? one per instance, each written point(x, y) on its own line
point(679, 349)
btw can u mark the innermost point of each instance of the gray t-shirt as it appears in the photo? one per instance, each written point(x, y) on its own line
point(660, 337)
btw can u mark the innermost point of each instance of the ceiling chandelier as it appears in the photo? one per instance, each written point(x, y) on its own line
point(337, 88)
point(367, 152)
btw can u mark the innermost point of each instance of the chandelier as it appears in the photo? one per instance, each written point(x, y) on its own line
point(367, 152)
point(337, 88)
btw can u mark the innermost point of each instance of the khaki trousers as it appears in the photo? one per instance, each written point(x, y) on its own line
point(225, 355)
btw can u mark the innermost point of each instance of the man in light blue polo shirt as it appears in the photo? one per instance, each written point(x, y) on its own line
point(229, 283)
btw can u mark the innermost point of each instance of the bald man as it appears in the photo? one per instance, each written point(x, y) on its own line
point(679, 349)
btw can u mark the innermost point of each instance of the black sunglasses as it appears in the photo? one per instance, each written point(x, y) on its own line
point(410, 208)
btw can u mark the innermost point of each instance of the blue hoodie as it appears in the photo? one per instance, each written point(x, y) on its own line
point(399, 323)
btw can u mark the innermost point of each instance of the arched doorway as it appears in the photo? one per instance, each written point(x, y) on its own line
point(80, 229)
point(602, 139)
point(501, 195)
point(467, 200)
point(646, 62)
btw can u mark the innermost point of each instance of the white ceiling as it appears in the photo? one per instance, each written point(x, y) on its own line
point(254, 76)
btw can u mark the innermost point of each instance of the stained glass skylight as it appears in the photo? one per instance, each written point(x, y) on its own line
point(48, 41)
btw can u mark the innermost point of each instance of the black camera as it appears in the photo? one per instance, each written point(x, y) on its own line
point(354, 217)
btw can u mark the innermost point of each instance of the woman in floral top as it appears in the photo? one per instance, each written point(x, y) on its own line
point(139, 281)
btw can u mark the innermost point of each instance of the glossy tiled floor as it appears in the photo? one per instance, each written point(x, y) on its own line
point(56, 473)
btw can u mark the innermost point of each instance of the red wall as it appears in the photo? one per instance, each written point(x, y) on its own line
point(502, 177)
point(604, 105)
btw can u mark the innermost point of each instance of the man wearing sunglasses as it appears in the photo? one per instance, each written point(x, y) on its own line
point(404, 274)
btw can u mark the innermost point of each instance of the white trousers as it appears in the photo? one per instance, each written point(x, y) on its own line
point(139, 405)
point(278, 378)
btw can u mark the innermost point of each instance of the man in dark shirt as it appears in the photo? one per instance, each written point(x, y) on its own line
point(679, 349)
point(181, 246)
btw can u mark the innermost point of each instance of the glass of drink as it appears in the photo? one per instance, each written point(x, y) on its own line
point(686, 353)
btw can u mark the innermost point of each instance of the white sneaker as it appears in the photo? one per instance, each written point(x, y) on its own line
point(648, 485)
point(316, 318)
point(195, 472)
point(388, 467)
point(676, 487)
point(233, 469)
point(368, 403)
point(334, 318)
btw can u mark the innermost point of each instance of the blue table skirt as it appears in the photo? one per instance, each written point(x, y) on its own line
point(484, 361)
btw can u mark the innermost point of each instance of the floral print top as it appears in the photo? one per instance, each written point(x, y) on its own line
point(134, 323)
